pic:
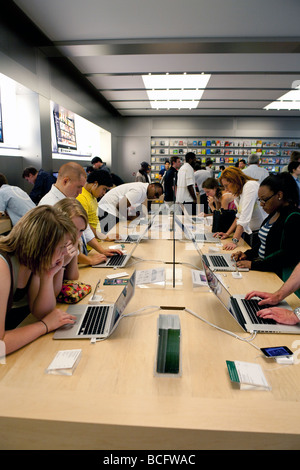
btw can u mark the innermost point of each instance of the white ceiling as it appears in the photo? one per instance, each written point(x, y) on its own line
point(251, 48)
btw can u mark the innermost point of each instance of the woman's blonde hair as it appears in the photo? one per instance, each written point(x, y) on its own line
point(236, 177)
point(35, 237)
point(72, 208)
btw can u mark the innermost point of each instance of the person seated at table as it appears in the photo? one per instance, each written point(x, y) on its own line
point(217, 198)
point(279, 314)
point(35, 247)
point(71, 179)
point(249, 214)
point(278, 249)
point(76, 212)
point(97, 184)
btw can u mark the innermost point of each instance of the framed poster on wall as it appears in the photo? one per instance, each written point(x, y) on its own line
point(64, 124)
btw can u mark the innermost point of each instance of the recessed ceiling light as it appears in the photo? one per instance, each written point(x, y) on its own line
point(289, 101)
point(175, 91)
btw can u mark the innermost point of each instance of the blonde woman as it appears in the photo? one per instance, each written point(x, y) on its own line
point(35, 248)
point(72, 209)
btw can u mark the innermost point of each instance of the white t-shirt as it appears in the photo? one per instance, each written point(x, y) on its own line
point(185, 178)
point(250, 215)
point(257, 172)
point(135, 192)
point(200, 177)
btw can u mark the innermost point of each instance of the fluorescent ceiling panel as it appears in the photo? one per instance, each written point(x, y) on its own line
point(175, 91)
point(288, 101)
point(288, 105)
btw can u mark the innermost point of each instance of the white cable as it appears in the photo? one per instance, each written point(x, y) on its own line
point(247, 340)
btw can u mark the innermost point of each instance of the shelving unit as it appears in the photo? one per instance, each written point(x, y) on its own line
point(275, 153)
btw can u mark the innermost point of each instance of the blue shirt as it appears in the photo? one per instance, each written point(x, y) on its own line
point(15, 202)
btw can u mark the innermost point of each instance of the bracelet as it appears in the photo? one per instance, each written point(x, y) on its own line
point(45, 326)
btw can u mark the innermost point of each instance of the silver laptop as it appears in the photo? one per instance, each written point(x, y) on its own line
point(97, 321)
point(216, 262)
point(222, 262)
point(119, 261)
point(204, 237)
point(244, 311)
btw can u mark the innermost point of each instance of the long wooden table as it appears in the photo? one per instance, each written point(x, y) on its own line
point(114, 400)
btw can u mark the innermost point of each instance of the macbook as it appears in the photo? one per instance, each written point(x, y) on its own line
point(244, 311)
point(120, 261)
point(97, 321)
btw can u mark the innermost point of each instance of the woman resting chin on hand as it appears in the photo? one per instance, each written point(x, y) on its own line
point(33, 252)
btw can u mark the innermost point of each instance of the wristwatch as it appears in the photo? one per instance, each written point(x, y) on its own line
point(235, 240)
point(297, 313)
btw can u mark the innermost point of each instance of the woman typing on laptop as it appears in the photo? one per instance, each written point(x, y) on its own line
point(279, 314)
point(278, 248)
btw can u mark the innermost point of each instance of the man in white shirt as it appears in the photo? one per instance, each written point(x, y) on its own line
point(186, 192)
point(70, 181)
point(200, 176)
point(253, 170)
point(124, 201)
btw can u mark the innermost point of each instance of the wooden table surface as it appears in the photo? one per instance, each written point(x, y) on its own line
point(115, 401)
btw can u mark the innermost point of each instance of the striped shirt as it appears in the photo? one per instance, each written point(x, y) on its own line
point(263, 233)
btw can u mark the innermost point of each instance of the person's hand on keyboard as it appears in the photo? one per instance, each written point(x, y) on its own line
point(280, 315)
point(111, 252)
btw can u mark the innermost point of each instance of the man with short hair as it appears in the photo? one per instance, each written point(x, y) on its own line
point(13, 201)
point(124, 201)
point(41, 180)
point(295, 157)
point(70, 181)
point(242, 164)
point(97, 184)
point(170, 180)
point(186, 192)
point(201, 175)
point(254, 170)
point(98, 164)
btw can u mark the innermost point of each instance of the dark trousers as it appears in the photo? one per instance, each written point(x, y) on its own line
point(251, 239)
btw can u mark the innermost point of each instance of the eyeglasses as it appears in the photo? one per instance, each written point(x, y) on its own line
point(263, 201)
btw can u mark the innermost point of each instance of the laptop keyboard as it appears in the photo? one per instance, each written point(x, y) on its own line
point(116, 260)
point(94, 320)
point(252, 307)
point(217, 261)
point(131, 238)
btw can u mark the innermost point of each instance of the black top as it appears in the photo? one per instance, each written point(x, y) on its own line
point(282, 252)
point(169, 179)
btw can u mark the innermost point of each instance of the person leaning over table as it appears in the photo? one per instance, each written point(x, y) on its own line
point(249, 214)
point(97, 184)
point(278, 248)
point(35, 247)
point(217, 198)
point(279, 314)
point(125, 202)
point(70, 181)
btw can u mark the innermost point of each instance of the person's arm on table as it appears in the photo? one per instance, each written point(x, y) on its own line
point(19, 337)
point(290, 286)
